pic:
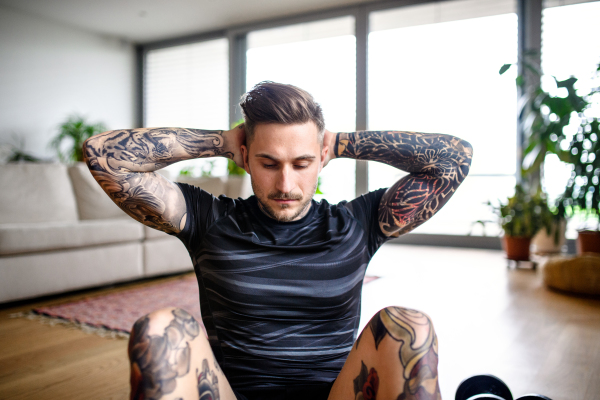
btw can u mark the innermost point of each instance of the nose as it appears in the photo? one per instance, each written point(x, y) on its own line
point(285, 182)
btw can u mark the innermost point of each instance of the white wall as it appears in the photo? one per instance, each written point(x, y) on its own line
point(49, 71)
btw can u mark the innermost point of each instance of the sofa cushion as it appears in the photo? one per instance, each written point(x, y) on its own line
point(35, 237)
point(31, 275)
point(36, 192)
point(151, 233)
point(92, 201)
point(166, 256)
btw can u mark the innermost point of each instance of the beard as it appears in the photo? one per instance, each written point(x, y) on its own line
point(274, 212)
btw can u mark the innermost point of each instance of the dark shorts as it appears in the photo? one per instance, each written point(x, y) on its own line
point(303, 392)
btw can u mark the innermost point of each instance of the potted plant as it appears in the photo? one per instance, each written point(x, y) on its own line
point(520, 218)
point(582, 194)
point(543, 118)
point(15, 152)
point(75, 130)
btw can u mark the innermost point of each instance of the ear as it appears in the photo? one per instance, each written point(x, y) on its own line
point(245, 152)
point(324, 158)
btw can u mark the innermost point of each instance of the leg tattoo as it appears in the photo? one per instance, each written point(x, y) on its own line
point(366, 384)
point(157, 361)
point(208, 383)
point(418, 351)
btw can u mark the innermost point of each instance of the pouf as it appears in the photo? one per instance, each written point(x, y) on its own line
point(579, 274)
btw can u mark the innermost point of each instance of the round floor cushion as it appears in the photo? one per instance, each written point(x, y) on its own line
point(580, 274)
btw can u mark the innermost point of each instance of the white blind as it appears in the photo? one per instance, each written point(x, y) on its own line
point(443, 11)
point(329, 28)
point(560, 3)
point(187, 86)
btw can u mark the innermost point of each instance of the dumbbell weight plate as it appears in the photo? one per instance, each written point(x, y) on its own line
point(534, 397)
point(482, 384)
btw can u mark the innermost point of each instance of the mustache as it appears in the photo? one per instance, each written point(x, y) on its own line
point(284, 196)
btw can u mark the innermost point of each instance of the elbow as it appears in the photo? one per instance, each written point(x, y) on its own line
point(87, 151)
point(464, 149)
point(464, 158)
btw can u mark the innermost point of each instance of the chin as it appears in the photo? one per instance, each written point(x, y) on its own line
point(284, 213)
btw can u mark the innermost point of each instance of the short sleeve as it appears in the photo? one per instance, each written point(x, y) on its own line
point(202, 210)
point(365, 209)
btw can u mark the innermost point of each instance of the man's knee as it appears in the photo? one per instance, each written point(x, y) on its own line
point(162, 321)
point(159, 350)
point(411, 327)
point(415, 343)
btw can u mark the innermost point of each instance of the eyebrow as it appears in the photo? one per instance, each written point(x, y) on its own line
point(299, 158)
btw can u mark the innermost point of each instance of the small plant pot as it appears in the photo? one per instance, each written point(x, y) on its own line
point(542, 243)
point(516, 248)
point(588, 242)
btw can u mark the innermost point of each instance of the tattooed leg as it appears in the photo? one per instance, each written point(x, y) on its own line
point(395, 357)
point(171, 359)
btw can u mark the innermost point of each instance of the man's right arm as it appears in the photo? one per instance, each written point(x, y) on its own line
point(123, 162)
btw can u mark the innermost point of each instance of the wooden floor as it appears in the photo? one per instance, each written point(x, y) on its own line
point(488, 320)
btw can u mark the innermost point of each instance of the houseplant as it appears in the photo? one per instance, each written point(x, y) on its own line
point(582, 194)
point(521, 217)
point(545, 120)
point(75, 131)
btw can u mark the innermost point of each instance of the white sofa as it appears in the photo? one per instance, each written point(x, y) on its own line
point(59, 232)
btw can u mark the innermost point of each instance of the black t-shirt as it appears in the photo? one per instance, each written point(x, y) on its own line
point(280, 300)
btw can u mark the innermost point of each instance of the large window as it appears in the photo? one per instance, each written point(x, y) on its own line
point(319, 57)
point(570, 47)
point(188, 86)
point(434, 68)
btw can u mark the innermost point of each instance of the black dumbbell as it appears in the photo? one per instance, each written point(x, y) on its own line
point(534, 396)
point(483, 387)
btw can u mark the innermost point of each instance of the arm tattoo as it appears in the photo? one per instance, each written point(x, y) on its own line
point(418, 352)
point(157, 361)
point(123, 162)
point(437, 164)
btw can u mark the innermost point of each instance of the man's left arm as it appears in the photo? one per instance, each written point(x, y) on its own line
point(437, 164)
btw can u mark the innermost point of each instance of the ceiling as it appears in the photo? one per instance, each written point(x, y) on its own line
point(143, 21)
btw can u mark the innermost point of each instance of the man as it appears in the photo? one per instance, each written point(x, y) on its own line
point(280, 275)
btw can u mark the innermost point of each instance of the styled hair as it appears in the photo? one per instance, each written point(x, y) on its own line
point(271, 102)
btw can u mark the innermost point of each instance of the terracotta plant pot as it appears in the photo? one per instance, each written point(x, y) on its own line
point(588, 242)
point(516, 248)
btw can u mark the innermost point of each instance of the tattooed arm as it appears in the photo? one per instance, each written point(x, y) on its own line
point(437, 164)
point(123, 162)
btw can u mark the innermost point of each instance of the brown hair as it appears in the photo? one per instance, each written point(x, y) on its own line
point(271, 102)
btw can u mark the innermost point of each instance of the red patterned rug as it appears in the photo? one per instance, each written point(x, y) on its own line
point(117, 312)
